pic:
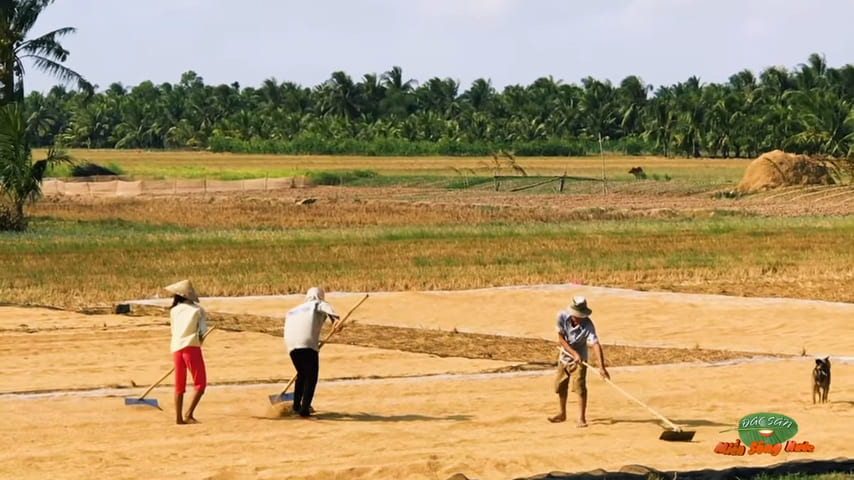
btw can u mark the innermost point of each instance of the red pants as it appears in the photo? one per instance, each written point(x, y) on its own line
point(189, 358)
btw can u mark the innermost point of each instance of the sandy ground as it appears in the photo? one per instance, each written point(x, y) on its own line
point(391, 414)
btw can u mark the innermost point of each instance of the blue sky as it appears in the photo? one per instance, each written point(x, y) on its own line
point(505, 41)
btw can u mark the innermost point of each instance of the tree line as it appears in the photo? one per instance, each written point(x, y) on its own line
point(806, 109)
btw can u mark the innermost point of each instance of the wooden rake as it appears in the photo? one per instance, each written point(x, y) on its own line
point(675, 434)
point(152, 402)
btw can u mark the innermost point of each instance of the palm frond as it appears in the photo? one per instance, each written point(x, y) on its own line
point(61, 72)
point(46, 45)
point(26, 14)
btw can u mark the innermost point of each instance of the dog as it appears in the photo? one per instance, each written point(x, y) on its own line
point(638, 173)
point(821, 379)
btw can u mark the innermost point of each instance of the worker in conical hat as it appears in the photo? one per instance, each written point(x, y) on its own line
point(188, 322)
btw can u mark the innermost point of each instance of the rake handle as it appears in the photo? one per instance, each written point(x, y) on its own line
point(631, 397)
point(153, 385)
point(328, 336)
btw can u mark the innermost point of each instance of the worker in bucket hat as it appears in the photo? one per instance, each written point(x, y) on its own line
point(575, 330)
point(188, 322)
point(303, 324)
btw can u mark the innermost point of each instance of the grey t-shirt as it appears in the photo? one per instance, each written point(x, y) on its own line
point(577, 337)
point(304, 322)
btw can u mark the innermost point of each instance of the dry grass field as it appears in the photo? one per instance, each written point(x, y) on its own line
point(141, 164)
point(711, 307)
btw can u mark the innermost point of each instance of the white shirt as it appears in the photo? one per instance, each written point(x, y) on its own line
point(188, 322)
point(304, 322)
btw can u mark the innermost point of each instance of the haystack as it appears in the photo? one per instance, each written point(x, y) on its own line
point(780, 169)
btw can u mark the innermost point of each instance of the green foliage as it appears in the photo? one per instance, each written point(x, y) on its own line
point(19, 16)
point(89, 169)
point(633, 145)
point(552, 148)
point(809, 109)
point(20, 177)
point(339, 178)
point(59, 170)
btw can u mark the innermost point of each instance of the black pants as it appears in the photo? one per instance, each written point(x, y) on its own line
point(307, 363)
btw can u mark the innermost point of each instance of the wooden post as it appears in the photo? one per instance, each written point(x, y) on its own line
point(602, 154)
point(562, 181)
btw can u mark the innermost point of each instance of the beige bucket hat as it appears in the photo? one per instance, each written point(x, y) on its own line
point(578, 307)
point(185, 289)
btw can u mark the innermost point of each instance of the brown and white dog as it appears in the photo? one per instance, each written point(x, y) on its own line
point(821, 379)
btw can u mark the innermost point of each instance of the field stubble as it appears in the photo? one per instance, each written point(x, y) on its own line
point(369, 239)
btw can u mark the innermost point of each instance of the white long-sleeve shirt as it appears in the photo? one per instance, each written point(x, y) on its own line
point(304, 322)
point(188, 322)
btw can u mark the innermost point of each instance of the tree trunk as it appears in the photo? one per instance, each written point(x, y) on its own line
point(19, 220)
point(7, 79)
point(12, 217)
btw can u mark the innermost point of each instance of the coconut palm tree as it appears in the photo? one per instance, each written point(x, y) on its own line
point(480, 95)
point(20, 177)
point(439, 96)
point(398, 100)
point(17, 18)
point(632, 96)
point(339, 96)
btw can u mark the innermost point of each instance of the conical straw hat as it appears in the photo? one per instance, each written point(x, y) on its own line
point(185, 289)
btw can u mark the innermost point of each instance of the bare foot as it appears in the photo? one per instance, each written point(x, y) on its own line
point(190, 420)
point(180, 422)
point(558, 418)
point(581, 425)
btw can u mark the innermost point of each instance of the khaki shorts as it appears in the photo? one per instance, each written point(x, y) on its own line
point(575, 374)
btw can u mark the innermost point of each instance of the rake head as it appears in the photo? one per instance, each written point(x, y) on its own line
point(281, 397)
point(151, 402)
point(676, 436)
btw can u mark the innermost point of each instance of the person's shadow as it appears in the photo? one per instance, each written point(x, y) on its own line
point(370, 417)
